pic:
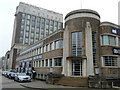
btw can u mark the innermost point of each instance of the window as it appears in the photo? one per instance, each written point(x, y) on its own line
point(55, 26)
point(28, 22)
point(21, 33)
point(32, 35)
point(46, 62)
point(76, 43)
point(108, 40)
point(58, 61)
point(26, 40)
point(60, 25)
point(23, 15)
point(110, 61)
point(32, 29)
point(28, 16)
point(39, 63)
point(22, 27)
point(42, 63)
point(23, 21)
point(50, 62)
point(37, 30)
point(37, 36)
point(31, 41)
point(51, 26)
point(26, 34)
point(94, 48)
point(51, 46)
point(42, 33)
point(27, 28)
point(46, 47)
point(21, 39)
point(59, 44)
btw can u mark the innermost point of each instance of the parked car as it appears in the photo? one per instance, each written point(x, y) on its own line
point(22, 77)
point(12, 75)
point(4, 73)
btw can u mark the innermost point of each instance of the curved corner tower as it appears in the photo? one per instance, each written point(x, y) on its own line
point(81, 43)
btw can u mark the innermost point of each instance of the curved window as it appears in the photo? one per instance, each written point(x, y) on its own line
point(77, 44)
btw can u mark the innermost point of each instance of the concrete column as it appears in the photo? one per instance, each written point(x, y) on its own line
point(53, 62)
point(48, 62)
point(69, 68)
point(65, 50)
point(84, 67)
point(89, 54)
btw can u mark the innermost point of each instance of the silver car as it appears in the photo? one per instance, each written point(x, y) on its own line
point(22, 77)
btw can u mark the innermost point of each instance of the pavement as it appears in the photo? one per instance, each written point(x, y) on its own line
point(42, 85)
point(37, 84)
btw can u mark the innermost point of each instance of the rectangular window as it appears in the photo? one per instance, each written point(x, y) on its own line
point(51, 46)
point(42, 63)
point(32, 35)
point(77, 44)
point(51, 26)
point(60, 25)
point(55, 26)
point(50, 61)
point(108, 40)
point(46, 47)
point(58, 61)
point(59, 44)
point(110, 61)
point(46, 62)
point(28, 16)
point(22, 27)
point(27, 28)
point(39, 63)
point(23, 15)
point(31, 41)
point(21, 39)
point(94, 48)
point(26, 40)
point(38, 22)
point(28, 22)
point(27, 34)
point(23, 21)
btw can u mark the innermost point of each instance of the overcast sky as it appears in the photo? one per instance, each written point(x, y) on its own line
point(108, 10)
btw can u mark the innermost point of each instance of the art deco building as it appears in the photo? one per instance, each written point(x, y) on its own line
point(83, 48)
point(32, 24)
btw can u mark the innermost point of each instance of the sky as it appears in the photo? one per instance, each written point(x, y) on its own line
point(108, 10)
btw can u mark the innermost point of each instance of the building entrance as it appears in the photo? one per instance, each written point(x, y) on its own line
point(76, 67)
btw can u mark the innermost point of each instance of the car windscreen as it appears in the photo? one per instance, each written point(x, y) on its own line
point(22, 74)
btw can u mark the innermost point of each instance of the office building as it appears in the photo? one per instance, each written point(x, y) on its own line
point(32, 24)
point(85, 47)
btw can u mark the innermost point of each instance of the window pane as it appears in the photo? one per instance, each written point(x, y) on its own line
point(58, 61)
point(105, 40)
point(77, 44)
point(112, 40)
point(110, 61)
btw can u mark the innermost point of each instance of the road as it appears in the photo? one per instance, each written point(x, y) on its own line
point(8, 84)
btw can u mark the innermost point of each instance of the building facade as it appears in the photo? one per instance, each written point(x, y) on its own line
point(32, 24)
point(110, 49)
point(84, 47)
